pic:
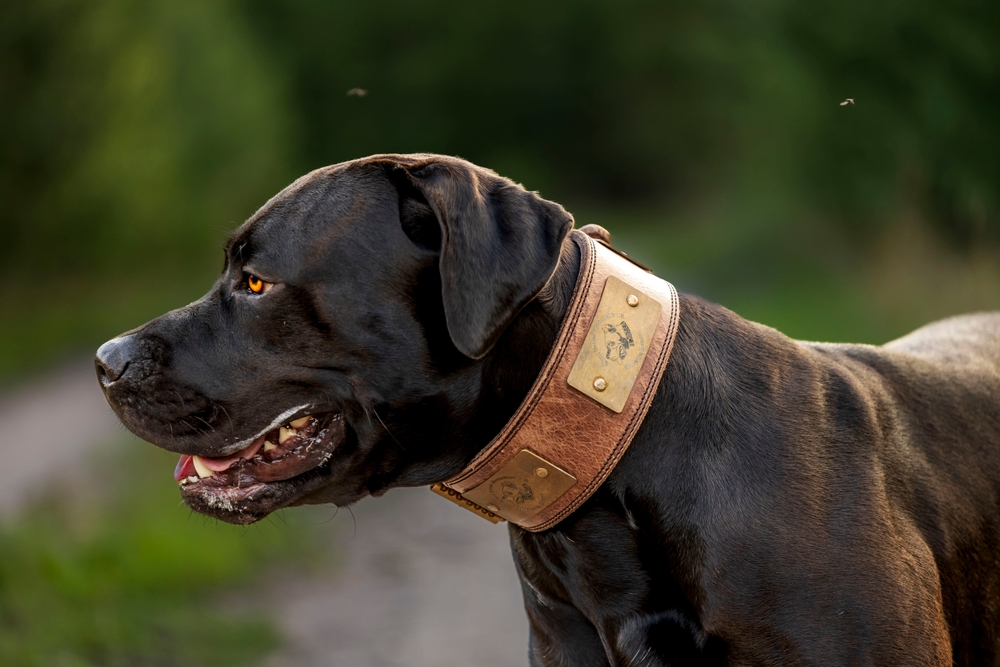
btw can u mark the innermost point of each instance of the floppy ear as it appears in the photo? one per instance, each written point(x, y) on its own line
point(499, 244)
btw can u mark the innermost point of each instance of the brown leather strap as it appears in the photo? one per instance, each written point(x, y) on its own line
point(561, 444)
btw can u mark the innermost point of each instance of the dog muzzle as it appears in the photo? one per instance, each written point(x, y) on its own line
point(588, 401)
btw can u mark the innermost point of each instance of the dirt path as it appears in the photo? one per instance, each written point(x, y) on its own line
point(60, 416)
point(423, 583)
point(420, 582)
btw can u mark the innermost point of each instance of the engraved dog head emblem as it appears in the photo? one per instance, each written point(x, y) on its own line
point(509, 491)
point(617, 341)
point(514, 490)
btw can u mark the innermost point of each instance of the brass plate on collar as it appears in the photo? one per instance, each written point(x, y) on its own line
point(616, 345)
point(525, 486)
point(460, 500)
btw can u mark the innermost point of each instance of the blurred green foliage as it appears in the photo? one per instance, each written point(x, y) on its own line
point(127, 578)
point(666, 101)
point(137, 132)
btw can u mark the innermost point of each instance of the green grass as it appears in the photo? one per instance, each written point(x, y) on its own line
point(127, 576)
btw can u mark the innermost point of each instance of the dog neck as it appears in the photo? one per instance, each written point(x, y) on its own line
point(588, 400)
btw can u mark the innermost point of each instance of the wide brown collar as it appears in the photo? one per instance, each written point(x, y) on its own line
point(588, 401)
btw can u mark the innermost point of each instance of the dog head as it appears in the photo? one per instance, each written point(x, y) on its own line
point(351, 342)
point(617, 342)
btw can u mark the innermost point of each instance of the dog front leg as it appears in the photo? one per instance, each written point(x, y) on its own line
point(560, 636)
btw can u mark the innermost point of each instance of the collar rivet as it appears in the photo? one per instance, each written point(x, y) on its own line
point(600, 384)
point(632, 300)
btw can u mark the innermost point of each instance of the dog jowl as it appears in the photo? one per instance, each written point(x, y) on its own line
point(378, 322)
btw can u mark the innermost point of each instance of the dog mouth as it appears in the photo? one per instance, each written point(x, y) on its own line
point(266, 475)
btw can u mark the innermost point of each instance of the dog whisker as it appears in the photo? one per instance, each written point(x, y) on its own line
point(355, 520)
point(332, 517)
point(193, 428)
point(211, 429)
point(232, 427)
point(387, 430)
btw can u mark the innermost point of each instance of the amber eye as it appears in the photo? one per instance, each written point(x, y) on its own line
point(255, 284)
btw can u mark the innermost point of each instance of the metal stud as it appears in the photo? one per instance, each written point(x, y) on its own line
point(632, 300)
point(600, 384)
point(493, 508)
point(541, 472)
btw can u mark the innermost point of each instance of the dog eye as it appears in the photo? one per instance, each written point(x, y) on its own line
point(258, 286)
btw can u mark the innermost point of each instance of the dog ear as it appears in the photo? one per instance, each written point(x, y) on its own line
point(498, 244)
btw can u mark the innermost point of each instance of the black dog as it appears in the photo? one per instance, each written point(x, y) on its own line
point(378, 322)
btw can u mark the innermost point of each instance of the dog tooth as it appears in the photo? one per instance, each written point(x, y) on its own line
point(268, 446)
point(284, 434)
point(201, 468)
point(300, 422)
point(192, 479)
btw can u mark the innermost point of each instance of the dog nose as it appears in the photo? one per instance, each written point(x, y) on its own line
point(113, 359)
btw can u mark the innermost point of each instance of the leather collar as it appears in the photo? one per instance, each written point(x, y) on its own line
point(587, 403)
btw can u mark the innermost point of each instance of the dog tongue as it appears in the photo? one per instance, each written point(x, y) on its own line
point(185, 466)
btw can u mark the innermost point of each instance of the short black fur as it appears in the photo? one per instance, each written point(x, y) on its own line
point(784, 503)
